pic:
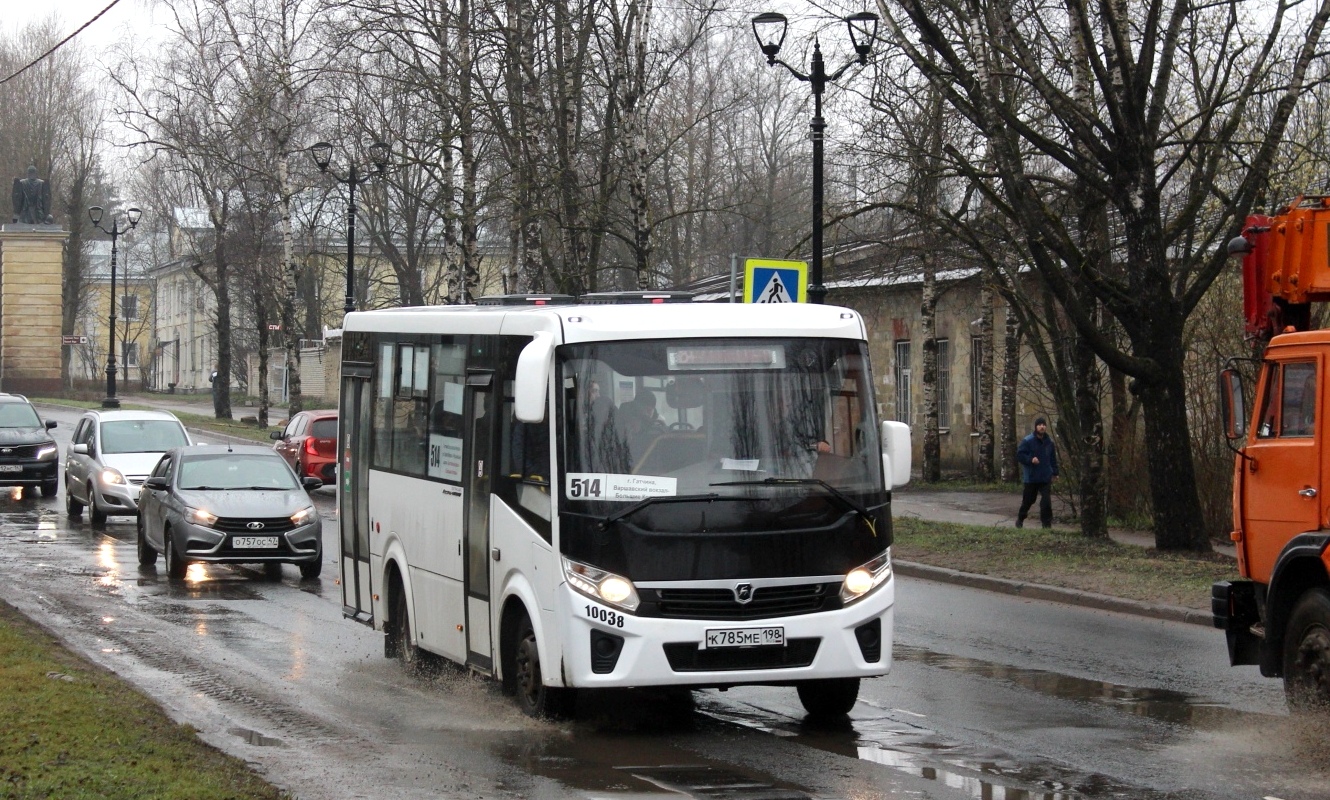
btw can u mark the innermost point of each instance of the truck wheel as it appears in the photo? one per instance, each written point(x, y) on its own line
point(829, 697)
point(1307, 653)
point(533, 696)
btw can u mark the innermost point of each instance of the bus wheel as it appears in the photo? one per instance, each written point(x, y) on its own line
point(533, 696)
point(402, 645)
point(829, 697)
point(1307, 653)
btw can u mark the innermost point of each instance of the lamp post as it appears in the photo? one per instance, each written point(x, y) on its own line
point(770, 28)
point(355, 175)
point(131, 219)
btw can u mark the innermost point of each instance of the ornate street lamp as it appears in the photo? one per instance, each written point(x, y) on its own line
point(379, 153)
point(770, 29)
point(130, 218)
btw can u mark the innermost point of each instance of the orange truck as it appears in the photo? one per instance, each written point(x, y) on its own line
point(1279, 616)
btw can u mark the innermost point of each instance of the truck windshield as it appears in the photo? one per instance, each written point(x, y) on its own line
point(703, 417)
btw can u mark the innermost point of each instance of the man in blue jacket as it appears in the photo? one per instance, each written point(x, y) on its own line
point(1039, 466)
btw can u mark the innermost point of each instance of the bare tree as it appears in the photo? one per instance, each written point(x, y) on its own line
point(1162, 142)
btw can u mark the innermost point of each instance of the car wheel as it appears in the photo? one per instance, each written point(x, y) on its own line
point(829, 697)
point(147, 553)
point(533, 696)
point(1307, 653)
point(73, 507)
point(95, 513)
point(50, 488)
point(175, 565)
point(311, 569)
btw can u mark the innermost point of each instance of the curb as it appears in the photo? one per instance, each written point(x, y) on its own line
point(1056, 594)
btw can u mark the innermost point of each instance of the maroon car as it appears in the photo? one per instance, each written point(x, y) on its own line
point(309, 444)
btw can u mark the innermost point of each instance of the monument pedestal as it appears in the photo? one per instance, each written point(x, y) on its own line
point(31, 270)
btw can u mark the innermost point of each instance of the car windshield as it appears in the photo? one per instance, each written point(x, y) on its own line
point(18, 415)
point(142, 436)
point(254, 471)
point(709, 417)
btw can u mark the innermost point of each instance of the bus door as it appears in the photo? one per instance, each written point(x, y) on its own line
point(476, 536)
point(353, 494)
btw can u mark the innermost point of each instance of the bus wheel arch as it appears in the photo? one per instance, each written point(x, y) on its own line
point(523, 670)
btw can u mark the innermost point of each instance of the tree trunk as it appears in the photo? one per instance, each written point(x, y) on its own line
point(1177, 508)
point(983, 411)
point(1090, 450)
point(1011, 370)
point(932, 466)
point(290, 279)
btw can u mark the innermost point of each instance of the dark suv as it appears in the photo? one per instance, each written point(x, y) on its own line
point(28, 454)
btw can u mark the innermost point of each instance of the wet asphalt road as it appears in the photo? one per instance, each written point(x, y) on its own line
point(990, 697)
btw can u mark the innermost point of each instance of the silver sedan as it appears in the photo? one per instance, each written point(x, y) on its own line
point(223, 504)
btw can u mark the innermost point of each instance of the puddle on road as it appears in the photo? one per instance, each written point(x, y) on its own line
point(621, 748)
point(255, 738)
point(1162, 705)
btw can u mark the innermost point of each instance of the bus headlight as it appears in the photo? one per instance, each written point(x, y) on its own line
point(601, 585)
point(865, 578)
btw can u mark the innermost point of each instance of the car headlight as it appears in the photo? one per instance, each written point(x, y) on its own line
point(865, 578)
point(111, 476)
point(47, 453)
point(200, 516)
point(601, 585)
point(303, 515)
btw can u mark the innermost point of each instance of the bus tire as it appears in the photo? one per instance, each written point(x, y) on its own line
point(533, 696)
point(402, 646)
point(829, 697)
point(1307, 653)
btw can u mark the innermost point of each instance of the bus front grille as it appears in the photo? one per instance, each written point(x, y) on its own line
point(767, 602)
point(688, 657)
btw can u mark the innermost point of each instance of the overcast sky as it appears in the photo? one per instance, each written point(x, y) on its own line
point(74, 13)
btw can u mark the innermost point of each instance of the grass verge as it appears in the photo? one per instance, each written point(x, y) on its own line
point(73, 730)
point(241, 430)
point(1066, 559)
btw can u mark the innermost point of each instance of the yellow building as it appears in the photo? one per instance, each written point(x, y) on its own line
point(134, 315)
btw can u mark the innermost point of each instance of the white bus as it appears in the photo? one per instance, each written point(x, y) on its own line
point(621, 493)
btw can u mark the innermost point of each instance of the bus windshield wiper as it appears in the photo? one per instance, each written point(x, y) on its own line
point(845, 499)
point(649, 501)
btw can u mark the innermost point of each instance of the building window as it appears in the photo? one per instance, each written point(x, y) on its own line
point(131, 354)
point(943, 384)
point(903, 381)
point(129, 307)
point(976, 377)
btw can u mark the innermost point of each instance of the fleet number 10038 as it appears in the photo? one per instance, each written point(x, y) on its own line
point(605, 615)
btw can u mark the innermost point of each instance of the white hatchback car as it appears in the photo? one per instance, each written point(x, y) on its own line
point(111, 454)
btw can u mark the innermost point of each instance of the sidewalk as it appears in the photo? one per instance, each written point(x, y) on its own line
point(998, 509)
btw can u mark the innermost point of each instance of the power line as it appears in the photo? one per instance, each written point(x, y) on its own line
point(59, 44)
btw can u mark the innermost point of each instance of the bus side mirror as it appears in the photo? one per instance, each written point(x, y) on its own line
point(895, 453)
point(533, 378)
point(1232, 406)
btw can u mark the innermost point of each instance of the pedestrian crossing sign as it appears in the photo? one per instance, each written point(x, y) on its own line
point(768, 280)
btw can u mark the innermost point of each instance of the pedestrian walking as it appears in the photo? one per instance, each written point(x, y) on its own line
point(1039, 466)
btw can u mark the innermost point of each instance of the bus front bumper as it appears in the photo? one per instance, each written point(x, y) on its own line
point(605, 648)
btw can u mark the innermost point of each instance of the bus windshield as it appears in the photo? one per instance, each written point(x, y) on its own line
point(732, 418)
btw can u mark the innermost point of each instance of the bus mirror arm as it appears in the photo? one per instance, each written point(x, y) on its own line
point(533, 378)
point(895, 453)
